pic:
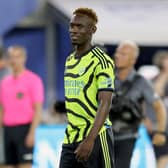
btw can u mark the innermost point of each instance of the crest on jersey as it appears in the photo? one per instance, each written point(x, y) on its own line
point(81, 71)
point(20, 95)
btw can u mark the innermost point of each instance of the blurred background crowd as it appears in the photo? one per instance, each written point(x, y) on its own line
point(41, 27)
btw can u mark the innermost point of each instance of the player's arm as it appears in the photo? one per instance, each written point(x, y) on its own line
point(105, 83)
point(152, 98)
point(1, 115)
point(36, 121)
point(105, 99)
point(37, 116)
point(86, 147)
point(37, 95)
point(161, 117)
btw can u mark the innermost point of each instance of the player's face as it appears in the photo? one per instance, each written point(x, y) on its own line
point(3, 63)
point(164, 64)
point(124, 57)
point(80, 29)
point(16, 59)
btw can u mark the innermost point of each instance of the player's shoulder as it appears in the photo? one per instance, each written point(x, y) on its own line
point(145, 82)
point(70, 57)
point(139, 77)
point(102, 57)
point(142, 81)
point(6, 79)
point(32, 75)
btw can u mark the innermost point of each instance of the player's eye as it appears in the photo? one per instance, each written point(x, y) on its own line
point(79, 26)
point(71, 26)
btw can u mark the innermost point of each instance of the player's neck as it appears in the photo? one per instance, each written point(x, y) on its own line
point(123, 73)
point(81, 49)
point(18, 71)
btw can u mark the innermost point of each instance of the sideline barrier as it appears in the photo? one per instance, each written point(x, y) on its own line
point(143, 155)
point(48, 145)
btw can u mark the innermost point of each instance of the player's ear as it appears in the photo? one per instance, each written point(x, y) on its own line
point(94, 28)
point(134, 60)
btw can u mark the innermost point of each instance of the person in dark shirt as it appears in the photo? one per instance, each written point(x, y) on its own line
point(132, 91)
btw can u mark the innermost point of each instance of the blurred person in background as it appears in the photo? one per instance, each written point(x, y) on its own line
point(57, 115)
point(161, 87)
point(89, 83)
point(3, 72)
point(21, 99)
point(131, 91)
point(149, 72)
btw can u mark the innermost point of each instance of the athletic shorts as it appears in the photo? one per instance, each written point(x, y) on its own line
point(123, 152)
point(15, 150)
point(101, 156)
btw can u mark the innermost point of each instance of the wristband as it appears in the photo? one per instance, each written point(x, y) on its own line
point(160, 132)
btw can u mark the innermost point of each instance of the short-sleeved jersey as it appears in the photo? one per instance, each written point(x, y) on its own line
point(83, 79)
point(18, 96)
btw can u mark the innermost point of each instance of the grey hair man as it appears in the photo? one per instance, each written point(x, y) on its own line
point(133, 90)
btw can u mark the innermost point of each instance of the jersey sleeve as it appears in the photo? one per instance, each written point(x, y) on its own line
point(0, 93)
point(105, 76)
point(37, 91)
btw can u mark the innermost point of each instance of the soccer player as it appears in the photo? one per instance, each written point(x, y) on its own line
point(89, 82)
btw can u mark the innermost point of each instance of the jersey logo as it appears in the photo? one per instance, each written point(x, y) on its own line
point(106, 83)
point(81, 71)
point(19, 95)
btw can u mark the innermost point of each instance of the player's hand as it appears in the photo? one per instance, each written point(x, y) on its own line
point(29, 141)
point(84, 149)
point(159, 139)
point(148, 125)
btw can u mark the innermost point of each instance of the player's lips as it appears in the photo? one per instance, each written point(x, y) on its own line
point(75, 37)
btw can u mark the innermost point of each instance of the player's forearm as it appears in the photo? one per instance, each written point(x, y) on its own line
point(101, 116)
point(161, 116)
point(159, 85)
point(36, 119)
point(1, 116)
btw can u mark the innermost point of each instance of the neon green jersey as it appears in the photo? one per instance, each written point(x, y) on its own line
point(83, 79)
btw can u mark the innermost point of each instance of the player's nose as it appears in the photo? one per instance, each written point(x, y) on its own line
point(73, 29)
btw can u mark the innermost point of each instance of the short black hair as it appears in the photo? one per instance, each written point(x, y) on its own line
point(88, 12)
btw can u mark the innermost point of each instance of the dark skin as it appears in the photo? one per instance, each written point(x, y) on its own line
point(81, 30)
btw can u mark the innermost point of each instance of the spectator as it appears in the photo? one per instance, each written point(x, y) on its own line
point(3, 71)
point(21, 104)
point(161, 87)
point(132, 90)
